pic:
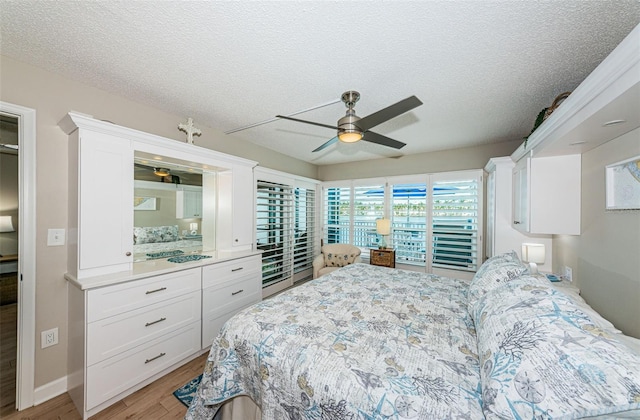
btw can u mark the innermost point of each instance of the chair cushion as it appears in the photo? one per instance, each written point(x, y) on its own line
point(332, 259)
point(339, 255)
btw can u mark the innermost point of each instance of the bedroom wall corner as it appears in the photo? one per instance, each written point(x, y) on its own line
point(604, 258)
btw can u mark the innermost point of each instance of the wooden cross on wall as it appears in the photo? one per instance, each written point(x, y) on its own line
point(190, 129)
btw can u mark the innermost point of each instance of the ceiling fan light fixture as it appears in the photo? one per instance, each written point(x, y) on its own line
point(161, 171)
point(350, 136)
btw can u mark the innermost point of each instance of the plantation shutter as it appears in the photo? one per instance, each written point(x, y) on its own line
point(274, 225)
point(304, 230)
point(455, 224)
point(337, 214)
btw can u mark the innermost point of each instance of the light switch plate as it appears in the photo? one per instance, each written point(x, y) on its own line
point(55, 237)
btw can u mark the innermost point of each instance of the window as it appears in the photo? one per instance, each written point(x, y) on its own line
point(368, 205)
point(409, 222)
point(435, 219)
point(274, 216)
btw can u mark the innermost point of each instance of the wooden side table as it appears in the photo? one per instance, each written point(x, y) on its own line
point(383, 257)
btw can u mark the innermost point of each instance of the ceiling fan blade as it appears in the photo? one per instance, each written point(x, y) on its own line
point(327, 144)
point(388, 113)
point(307, 122)
point(372, 137)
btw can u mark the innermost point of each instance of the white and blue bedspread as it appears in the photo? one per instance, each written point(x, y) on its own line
point(363, 342)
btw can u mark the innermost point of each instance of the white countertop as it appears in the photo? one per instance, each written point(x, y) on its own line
point(150, 268)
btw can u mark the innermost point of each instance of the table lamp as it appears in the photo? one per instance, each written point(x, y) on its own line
point(534, 255)
point(383, 227)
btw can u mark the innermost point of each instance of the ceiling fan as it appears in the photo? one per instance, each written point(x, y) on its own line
point(352, 128)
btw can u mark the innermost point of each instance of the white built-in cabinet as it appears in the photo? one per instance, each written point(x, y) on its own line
point(228, 287)
point(501, 236)
point(188, 202)
point(101, 192)
point(130, 323)
point(546, 195)
point(238, 184)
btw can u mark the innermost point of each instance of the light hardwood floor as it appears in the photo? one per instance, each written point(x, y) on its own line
point(8, 349)
point(155, 401)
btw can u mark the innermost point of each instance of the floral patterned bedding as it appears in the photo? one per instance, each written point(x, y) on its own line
point(367, 342)
point(361, 342)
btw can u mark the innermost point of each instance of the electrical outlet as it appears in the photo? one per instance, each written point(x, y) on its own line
point(568, 273)
point(49, 338)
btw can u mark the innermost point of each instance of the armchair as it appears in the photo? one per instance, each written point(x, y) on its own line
point(334, 256)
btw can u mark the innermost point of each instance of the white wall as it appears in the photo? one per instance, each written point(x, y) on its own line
point(605, 258)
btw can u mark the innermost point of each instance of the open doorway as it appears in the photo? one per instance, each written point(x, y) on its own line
point(9, 218)
point(17, 247)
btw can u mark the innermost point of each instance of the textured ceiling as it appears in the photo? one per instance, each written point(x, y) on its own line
point(484, 69)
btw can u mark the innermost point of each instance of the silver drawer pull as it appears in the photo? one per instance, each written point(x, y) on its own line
point(236, 269)
point(235, 293)
point(154, 358)
point(154, 291)
point(515, 222)
point(155, 322)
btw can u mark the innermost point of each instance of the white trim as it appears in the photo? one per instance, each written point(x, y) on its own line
point(48, 391)
point(25, 375)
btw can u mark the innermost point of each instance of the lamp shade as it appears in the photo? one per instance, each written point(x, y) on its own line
point(6, 225)
point(533, 253)
point(350, 136)
point(383, 226)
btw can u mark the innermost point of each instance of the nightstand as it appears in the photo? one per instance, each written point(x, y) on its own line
point(383, 257)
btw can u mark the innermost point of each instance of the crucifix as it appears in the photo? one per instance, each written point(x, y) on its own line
point(189, 129)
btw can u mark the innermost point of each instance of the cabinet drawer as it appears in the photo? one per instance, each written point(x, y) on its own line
point(229, 270)
point(110, 336)
point(113, 300)
point(113, 376)
point(231, 295)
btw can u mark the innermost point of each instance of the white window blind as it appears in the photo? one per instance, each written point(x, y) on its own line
point(409, 222)
point(455, 224)
point(336, 214)
point(304, 229)
point(274, 225)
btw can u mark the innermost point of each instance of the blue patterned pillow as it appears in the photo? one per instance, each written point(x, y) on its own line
point(149, 235)
point(496, 270)
point(542, 357)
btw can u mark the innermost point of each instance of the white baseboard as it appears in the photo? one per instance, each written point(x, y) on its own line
point(51, 390)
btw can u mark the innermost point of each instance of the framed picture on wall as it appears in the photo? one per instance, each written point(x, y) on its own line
point(623, 185)
point(144, 203)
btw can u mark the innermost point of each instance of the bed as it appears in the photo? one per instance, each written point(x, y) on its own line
point(162, 242)
point(369, 342)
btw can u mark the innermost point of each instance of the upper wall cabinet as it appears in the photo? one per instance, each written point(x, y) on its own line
point(546, 195)
point(101, 196)
point(189, 202)
point(101, 193)
point(235, 229)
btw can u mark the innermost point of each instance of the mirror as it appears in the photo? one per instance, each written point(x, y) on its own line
point(171, 218)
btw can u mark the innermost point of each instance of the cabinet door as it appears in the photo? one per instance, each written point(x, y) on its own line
point(243, 205)
point(521, 195)
point(188, 204)
point(105, 201)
